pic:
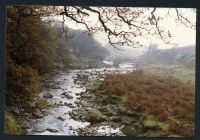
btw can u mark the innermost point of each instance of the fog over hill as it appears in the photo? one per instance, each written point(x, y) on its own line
point(81, 44)
point(177, 56)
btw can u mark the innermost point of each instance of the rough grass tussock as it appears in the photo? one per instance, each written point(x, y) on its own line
point(169, 100)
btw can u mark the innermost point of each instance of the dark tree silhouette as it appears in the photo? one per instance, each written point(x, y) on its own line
point(123, 24)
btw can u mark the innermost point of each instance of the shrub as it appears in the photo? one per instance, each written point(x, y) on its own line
point(20, 85)
point(95, 116)
point(11, 126)
point(162, 97)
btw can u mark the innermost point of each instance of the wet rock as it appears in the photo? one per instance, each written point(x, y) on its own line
point(67, 95)
point(25, 127)
point(47, 95)
point(38, 114)
point(61, 118)
point(116, 119)
point(150, 125)
point(52, 130)
point(38, 130)
point(33, 105)
point(26, 114)
point(70, 128)
point(84, 104)
point(56, 87)
point(15, 110)
point(21, 110)
point(70, 105)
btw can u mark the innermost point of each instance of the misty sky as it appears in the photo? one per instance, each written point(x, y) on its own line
point(181, 35)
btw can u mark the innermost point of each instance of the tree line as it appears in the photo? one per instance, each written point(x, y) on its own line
point(35, 47)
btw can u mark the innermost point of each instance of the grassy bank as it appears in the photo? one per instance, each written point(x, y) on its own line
point(148, 103)
point(11, 126)
point(186, 75)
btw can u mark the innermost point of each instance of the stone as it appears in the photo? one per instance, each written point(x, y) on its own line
point(15, 110)
point(67, 95)
point(116, 118)
point(47, 95)
point(70, 128)
point(61, 118)
point(56, 87)
point(52, 130)
point(38, 114)
point(26, 114)
point(76, 102)
point(70, 105)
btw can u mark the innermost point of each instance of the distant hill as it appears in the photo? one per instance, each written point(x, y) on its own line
point(176, 56)
point(80, 44)
point(86, 46)
point(125, 54)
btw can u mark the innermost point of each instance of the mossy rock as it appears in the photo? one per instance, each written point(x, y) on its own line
point(115, 99)
point(129, 131)
point(108, 111)
point(95, 116)
point(175, 136)
point(104, 99)
point(129, 112)
point(126, 120)
point(116, 119)
point(151, 123)
point(11, 126)
point(95, 87)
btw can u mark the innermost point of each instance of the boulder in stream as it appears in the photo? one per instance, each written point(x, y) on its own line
point(61, 118)
point(15, 110)
point(47, 95)
point(67, 95)
point(38, 114)
point(53, 130)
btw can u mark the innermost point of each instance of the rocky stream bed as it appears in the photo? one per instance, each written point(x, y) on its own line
point(68, 92)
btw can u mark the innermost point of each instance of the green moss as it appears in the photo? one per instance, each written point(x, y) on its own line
point(43, 103)
point(11, 127)
point(124, 99)
point(104, 99)
point(95, 116)
point(152, 123)
point(126, 120)
point(95, 87)
point(175, 136)
point(176, 121)
point(129, 131)
point(114, 99)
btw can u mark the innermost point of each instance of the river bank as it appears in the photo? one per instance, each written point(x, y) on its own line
point(63, 90)
point(81, 104)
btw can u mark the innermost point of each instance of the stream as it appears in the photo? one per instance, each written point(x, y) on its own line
point(65, 93)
